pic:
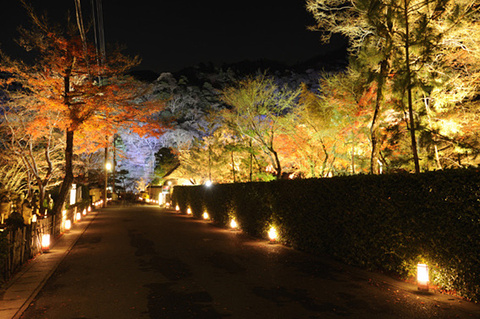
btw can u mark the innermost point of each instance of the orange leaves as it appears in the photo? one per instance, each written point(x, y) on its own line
point(67, 89)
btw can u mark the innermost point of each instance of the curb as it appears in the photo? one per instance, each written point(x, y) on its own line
point(50, 271)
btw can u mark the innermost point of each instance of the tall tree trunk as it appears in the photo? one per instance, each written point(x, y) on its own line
point(434, 138)
point(68, 179)
point(105, 185)
point(374, 169)
point(233, 167)
point(409, 92)
point(278, 166)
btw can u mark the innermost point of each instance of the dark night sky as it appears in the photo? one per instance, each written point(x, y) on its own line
point(170, 35)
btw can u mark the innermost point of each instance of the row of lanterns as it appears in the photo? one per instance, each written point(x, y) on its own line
point(423, 279)
point(272, 232)
point(67, 224)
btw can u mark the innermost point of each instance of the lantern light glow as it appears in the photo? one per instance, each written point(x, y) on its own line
point(68, 224)
point(45, 241)
point(206, 216)
point(422, 277)
point(233, 224)
point(272, 234)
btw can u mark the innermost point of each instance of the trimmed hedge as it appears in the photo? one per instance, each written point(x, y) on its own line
point(380, 222)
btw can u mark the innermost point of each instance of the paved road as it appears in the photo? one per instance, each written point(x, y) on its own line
point(144, 262)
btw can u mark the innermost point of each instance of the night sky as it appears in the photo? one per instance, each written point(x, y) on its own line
point(171, 35)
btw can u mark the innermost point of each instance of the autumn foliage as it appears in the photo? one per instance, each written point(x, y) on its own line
point(69, 90)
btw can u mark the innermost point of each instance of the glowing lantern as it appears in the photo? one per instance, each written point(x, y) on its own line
point(177, 208)
point(206, 216)
point(84, 212)
point(272, 234)
point(68, 224)
point(89, 208)
point(79, 216)
point(189, 211)
point(233, 224)
point(45, 241)
point(422, 277)
point(73, 194)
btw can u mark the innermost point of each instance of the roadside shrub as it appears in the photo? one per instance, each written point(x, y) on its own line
point(380, 222)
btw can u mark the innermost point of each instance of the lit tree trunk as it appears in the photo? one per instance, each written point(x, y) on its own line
point(68, 179)
point(105, 186)
point(251, 161)
point(233, 166)
point(435, 146)
point(278, 166)
point(209, 164)
point(353, 150)
point(409, 92)
point(325, 161)
point(374, 169)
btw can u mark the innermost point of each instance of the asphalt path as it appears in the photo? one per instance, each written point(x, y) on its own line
point(145, 262)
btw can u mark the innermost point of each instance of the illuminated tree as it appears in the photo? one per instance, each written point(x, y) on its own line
point(363, 23)
point(259, 110)
point(331, 124)
point(92, 100)
point(33, 139)
point(451, 101)
point(397, 39)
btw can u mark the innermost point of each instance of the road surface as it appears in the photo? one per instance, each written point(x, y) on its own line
point(145, 262)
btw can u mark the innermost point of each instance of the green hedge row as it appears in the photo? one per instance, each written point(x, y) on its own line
point(381, 222)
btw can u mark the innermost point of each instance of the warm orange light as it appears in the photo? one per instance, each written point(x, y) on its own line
point(45, 241)
point(79, 217)
point(84, 212)
point(272, 234)
point(89, 208)
point(422, 277)
point(233, 224)
point(68, 224)
point(189, 211)
point(177, 208)
point(34, 218)
point(206, 216)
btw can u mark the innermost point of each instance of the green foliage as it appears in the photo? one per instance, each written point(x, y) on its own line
point(165, 161)
point(259, 109)
point(386, 222)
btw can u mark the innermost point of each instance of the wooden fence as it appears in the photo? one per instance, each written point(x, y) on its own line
point(17, 246)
